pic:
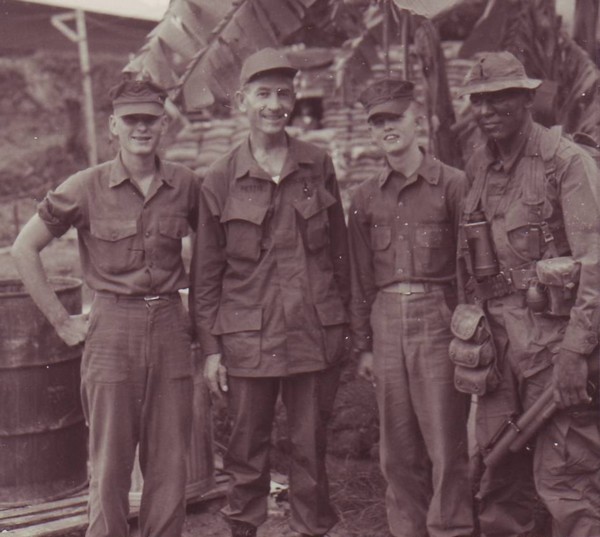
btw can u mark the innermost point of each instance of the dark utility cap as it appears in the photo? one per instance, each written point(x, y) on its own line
point(495, 71)
point(264, 61)
point(138, 97)
point(387, 96)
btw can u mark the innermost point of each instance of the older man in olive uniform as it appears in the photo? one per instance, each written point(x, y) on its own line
point(537, 193)
point(271, 286)
point(130, 214)
point(403, 229)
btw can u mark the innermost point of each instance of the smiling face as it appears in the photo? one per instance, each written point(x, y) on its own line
point(394, 134)
point(267, 102)
point(501, 114)
point(138, 134)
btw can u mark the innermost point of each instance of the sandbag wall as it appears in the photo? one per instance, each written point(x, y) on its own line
point(344, 133)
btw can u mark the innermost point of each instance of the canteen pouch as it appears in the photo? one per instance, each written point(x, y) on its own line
point(560, 276)
point(472, 351)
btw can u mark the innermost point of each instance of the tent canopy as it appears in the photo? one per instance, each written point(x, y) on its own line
point(134, 9)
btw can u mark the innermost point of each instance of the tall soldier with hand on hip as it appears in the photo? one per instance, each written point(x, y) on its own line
point(271, 288)
point(403, 229)
point(531, 254)
point(130, 214)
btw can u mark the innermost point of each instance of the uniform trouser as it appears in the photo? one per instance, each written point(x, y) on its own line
point(423, 419)
point(137, 389)
point(565, 462)
point(308, 399)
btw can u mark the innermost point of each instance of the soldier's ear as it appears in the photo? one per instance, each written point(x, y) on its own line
point(240, 100)
point(112, 124)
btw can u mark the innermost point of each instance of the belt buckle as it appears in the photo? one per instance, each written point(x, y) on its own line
point(151, 298)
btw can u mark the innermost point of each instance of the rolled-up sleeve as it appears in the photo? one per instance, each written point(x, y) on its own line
point(63, 207)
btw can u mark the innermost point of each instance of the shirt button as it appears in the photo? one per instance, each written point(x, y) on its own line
point(400, 204)
point(402, 237)
point(400, 271)
point(147, 234)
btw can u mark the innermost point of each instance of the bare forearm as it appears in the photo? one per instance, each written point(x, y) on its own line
point(35, 280)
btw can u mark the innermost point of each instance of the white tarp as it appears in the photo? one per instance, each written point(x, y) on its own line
point(136, 9)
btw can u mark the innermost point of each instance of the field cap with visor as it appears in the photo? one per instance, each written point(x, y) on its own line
point(139, 97)
point(387, 96)
point(496, 71)
point(264, 61)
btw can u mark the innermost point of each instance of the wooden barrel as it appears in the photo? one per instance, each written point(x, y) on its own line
point(43, 437)
point(200, 458)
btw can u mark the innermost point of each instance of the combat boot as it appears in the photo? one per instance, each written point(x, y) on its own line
point(242, 529)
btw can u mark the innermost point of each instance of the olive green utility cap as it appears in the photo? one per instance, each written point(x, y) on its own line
point(264, 61)
point(387, 96)
point(495, 71)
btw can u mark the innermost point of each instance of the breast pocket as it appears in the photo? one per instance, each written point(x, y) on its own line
point(243, 222)
point(114, 245)
point(524, 237)
point(434, 249)
point(314, 220)
point(171, 230)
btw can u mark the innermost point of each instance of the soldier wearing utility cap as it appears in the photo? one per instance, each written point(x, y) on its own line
point(130, 214)
point(531, 258)
point(271, 288)
point(403, 228)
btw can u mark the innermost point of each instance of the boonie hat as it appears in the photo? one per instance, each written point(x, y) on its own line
point(495, 71)
point(139, 97)
point(387, 96)
point(263, 61)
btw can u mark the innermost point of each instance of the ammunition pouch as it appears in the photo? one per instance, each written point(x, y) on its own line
point(560, 277)
point(507, 282)
point(472, 351)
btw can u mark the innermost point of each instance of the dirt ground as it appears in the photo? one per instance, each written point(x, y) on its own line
point(356, 484)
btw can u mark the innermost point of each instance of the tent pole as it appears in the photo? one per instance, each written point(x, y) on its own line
point(80, 37)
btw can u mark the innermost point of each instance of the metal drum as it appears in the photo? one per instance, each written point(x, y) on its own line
point(43, 436)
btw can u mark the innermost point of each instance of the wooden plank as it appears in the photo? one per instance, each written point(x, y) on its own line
point(69, 514)
point(56, 527)
point(42, 507)
point(41, 518)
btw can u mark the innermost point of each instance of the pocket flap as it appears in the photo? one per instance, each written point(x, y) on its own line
point(237, 319)
point(331, 312)
point(113, 230)
point(175, 227)
point(239, 209)
point(465, 320)
point(319, 201)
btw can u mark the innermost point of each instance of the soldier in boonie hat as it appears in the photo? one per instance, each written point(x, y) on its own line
point(495, 71)
point(132, 97)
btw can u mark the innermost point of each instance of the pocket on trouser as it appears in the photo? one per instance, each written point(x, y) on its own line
point(566, 471)
point(106, 349)
point(179, 346)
